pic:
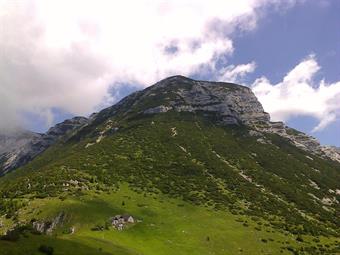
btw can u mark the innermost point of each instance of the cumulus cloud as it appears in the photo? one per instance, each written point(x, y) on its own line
point(234, 73)
point(299, 95)
point(67, 54)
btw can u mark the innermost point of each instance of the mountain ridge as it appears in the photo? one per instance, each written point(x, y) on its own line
point(235, 104)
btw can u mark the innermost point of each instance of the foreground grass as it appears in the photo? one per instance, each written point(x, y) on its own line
point(165, 226)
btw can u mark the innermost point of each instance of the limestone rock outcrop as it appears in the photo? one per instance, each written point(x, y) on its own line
point(233, 104)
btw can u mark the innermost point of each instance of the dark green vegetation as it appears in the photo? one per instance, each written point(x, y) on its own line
point(198, 188)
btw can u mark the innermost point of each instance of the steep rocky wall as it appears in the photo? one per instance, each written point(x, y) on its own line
point(234, 104)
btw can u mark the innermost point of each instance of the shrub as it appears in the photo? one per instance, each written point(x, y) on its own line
point(11, 236)
point(48, 250)
point(299, 239)
point(14, 234)
point(98, 228)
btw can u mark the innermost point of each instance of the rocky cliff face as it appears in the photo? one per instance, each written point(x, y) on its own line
point(331, 152)
point(18, 149)
point(233, 104)
point(300, 140)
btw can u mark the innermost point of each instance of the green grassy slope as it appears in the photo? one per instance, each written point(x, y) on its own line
point(198, 188)
point(167, 226)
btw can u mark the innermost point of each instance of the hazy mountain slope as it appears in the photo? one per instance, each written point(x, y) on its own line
point(13, 142)
point(206, 151)
point(19, 148)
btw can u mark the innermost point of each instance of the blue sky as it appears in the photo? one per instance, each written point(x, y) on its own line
point(283, 39)
point(287, 51)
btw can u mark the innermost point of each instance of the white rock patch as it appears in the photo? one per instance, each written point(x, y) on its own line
point(313, 184)
point(310, 158)
point(249, 179)
point(329, 201)
point(173, 132)
point(88, 145)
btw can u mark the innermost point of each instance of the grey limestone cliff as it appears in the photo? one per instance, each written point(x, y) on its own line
point(234, 104)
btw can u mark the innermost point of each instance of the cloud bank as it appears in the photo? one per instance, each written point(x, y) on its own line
point(69, 54)
point(299, 95)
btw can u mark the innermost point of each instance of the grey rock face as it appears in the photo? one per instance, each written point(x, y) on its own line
point(331, 152)
point(234, 104)
point(48, 226)
point(300, 140)
point(66, 126)
point(158, 109)
point(18, 149)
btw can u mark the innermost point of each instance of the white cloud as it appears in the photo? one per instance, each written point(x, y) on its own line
point(66, 54)
point(299, 95)
point(234, 73)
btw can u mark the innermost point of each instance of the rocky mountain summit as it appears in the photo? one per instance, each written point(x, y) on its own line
point(234, 104)
point(20, 148)
point(228, 103)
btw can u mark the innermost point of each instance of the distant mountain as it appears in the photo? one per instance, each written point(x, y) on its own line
point(19, 148)
point(13, 141)
point(197, 167)
point(11, 144)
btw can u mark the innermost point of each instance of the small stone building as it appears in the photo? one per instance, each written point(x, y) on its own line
point(119, 221)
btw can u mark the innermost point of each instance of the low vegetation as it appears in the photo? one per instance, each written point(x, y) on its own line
point(197, 187)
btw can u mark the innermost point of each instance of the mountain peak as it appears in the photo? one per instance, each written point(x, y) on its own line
point(225, 103)
point(231, 103)
point(183, 80)
point(177, 77)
